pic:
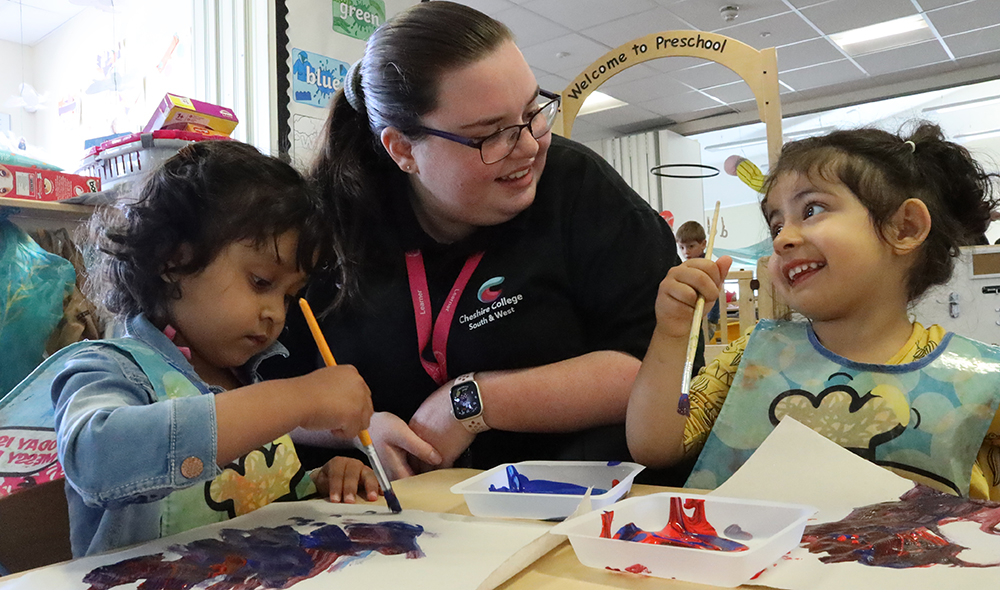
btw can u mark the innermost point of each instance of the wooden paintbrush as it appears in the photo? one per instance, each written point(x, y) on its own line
point(684, 403)
point(366, 440)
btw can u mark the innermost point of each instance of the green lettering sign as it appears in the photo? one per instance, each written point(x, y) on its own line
point(358, 18)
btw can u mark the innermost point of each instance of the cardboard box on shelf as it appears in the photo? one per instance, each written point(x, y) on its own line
point(38, 184)
point(177, 112)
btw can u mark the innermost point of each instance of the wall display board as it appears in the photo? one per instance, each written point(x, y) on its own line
point(759, 69)
point(316, 42)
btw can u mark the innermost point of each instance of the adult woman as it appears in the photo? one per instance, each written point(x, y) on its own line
point(433, 160)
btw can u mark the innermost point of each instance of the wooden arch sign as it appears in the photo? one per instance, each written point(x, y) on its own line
point(759, 69)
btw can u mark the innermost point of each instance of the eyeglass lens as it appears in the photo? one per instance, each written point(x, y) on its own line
point(499, 146)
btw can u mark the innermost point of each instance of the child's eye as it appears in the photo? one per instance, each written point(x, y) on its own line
point(258, 282)
point(813, 209)
point(775, 230)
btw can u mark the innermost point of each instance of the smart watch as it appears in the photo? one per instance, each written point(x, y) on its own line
point(467, 405)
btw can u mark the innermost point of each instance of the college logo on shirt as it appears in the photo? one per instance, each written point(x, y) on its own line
point(487, 292)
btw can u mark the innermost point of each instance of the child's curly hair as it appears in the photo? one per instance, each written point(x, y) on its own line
point(208, 195)
point(884, 169)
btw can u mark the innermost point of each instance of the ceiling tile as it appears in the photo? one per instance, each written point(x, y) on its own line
point(965, 17)
point(933, 4)
point(703, 113)
point(582, 14)
point(584, 130)
point(673, 64)
point(975, 42)
point(551, 82)
point(632, 73)
point(529, 28)
point(745, 106)
point(770, 32)
point(626, 115)
point(902, 58)
point(807, 3)
point(644, 89)
point(807, 53)
point(730, 93)
point(704, 14)
point(821, 75)
point(843, 15)
point(490, 7)
point(623, 30)
point(580, 52)
point(706, 75)
point(30, 21)
point(679, 104)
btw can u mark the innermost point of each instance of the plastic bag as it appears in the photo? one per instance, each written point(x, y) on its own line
point(33, 286)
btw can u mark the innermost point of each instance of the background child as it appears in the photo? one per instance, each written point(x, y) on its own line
point(863, 223)
point(692, 241)
point(159, 431)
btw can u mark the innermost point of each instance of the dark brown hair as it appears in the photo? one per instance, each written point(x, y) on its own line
point(690, 231)
point(208, 195)
point(884, 169)
point(394, 85)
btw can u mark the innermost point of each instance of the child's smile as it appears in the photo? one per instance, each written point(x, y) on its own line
point(828, 259)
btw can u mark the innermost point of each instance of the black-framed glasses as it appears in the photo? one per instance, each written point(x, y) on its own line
point(499, 145)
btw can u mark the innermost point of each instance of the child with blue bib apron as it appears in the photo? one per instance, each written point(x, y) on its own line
point(863, 223)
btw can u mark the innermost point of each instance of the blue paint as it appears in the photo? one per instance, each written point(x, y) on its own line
point(519, 483)
point(261, 558)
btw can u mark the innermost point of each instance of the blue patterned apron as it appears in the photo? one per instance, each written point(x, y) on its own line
point(924, 420)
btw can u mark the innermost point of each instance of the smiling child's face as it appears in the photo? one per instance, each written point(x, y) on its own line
point(235, 307)
point(828, 258)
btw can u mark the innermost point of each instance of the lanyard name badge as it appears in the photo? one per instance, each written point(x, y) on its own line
point(437, 336)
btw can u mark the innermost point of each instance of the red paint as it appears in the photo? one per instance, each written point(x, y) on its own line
point(683, 530)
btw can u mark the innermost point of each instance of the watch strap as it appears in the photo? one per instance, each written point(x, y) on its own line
point(476, 424)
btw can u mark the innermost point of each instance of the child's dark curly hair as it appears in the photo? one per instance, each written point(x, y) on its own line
point(884, 169)
point(208, 195)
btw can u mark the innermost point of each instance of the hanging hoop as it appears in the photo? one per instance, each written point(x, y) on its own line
point(706, 171)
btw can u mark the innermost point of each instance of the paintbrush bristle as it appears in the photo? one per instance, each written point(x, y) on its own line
point(392, 502)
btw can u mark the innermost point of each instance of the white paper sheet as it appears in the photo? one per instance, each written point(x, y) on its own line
point(460, 552)
point(795, 464)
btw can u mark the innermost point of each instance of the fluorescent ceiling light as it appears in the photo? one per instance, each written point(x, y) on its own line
point(879, 37)
point(979, 134)
point(880, 31)
point(965, 104)
point(736, 144)
point(597, 102)
point(796, 135)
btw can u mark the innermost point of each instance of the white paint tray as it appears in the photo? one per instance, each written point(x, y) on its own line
point(598, 474)
point(776, 528)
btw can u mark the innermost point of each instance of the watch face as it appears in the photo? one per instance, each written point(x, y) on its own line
point(465, 401)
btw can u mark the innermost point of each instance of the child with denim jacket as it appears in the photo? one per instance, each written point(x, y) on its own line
point(169, 428)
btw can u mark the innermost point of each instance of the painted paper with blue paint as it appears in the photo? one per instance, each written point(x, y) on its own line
point(316, 77)
point(311, 545)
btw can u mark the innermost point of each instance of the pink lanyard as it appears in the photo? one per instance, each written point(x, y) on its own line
point(421, 310)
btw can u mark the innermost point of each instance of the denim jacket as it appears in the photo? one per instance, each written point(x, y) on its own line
point(121, 452)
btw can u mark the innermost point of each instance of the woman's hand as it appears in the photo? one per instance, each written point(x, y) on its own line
point(434, 423)
point(395, 443)
point(343, 477)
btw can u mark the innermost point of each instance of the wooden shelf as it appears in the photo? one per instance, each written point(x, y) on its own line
point(25, 208)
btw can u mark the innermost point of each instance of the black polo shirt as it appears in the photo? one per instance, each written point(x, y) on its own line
point(574, 273)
